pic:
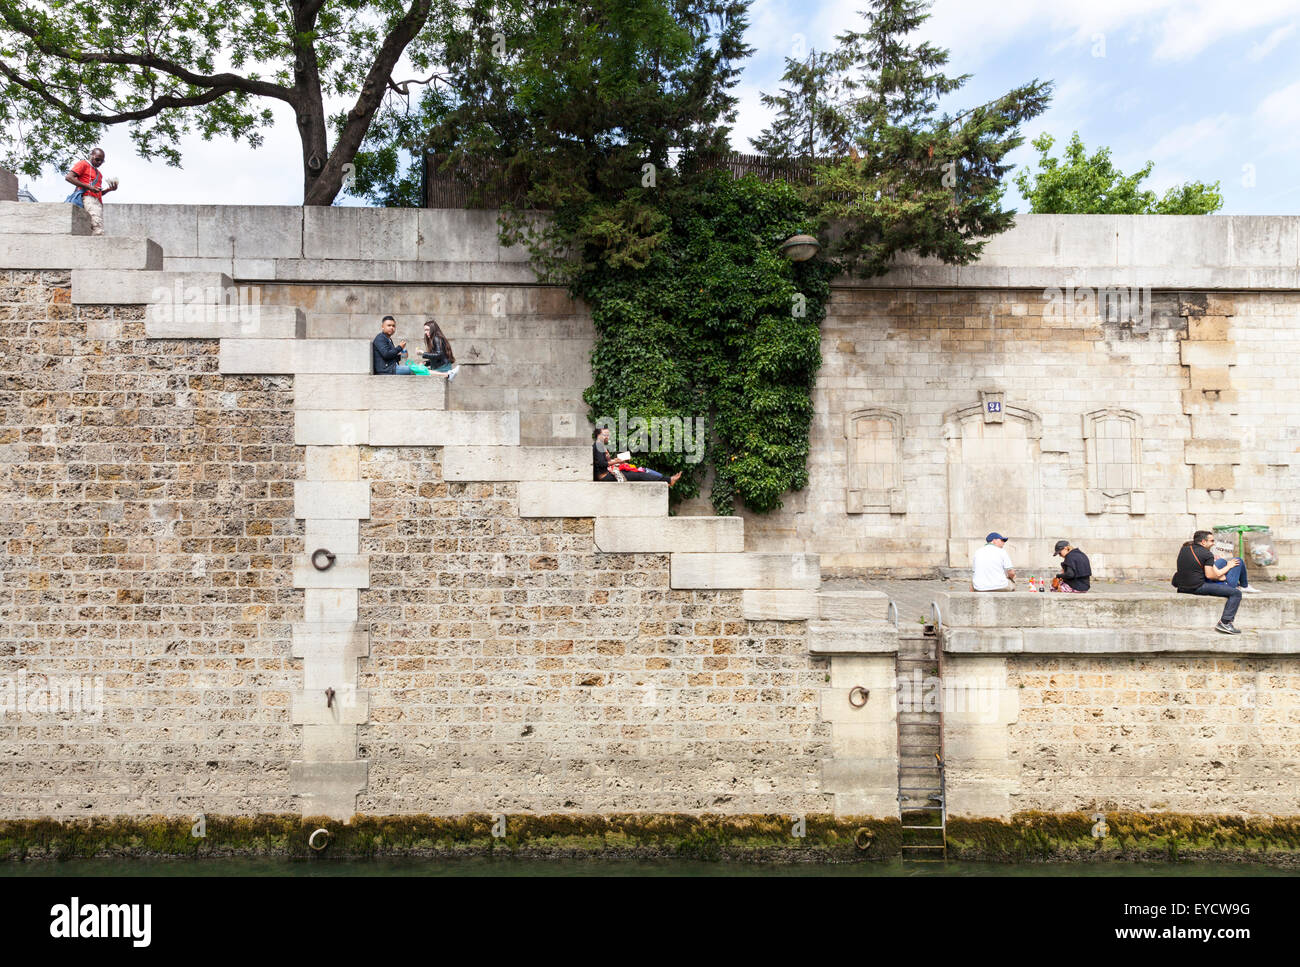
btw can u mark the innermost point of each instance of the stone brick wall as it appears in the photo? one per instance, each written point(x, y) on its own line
point(147, 522)
point(1185, 734)
point(149, 529)
point(512, 667)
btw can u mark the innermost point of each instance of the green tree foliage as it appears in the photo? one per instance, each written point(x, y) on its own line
point(717, 324)
point(1083, 185)
point(913, 180)
point(810, 120)
point(68, 68)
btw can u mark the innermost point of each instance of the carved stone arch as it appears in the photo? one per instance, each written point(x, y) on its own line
point(993, 455)
point(875, 462)
point(1112, 442)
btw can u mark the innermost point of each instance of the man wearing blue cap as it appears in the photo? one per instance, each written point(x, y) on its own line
point(991, 569)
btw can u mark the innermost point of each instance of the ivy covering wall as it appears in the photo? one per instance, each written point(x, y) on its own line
point(714, 323)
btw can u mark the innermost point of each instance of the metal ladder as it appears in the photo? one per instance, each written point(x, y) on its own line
point(922, 787)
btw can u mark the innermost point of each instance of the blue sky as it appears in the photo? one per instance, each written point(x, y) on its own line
point(1207, 89)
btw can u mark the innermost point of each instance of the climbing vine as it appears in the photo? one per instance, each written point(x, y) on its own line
point(713, 328)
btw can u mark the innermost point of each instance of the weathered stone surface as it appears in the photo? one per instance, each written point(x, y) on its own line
point(516, 463)
point(346, 571)
point(49, 218)
point(375, 393)
point(435, 428)
point(858, 605)
point(539, 498)
point(293, 356)
point(851, 638)
point(168, 320)
point(8, 186)
point(780, 605)
point(788, 571)
point(331, 428)
point(670, 534)
point(110, 287)
point(71, 251)
point(331, 500)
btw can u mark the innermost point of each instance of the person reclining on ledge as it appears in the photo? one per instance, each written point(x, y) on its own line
point(1200, 572)
point(991, 568)
point(605, 467)
point(385, 354)
point(1076, 569)
point(437, 351)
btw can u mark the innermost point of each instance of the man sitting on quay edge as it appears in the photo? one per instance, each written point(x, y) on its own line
point(384, 354)
point(1199, 572)
point(1076, 569)
point(991, 568)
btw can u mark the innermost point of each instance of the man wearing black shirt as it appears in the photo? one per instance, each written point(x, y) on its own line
point(1199, 574)
point(1076, 570)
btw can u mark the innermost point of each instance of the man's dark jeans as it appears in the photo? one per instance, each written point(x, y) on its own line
point(1233, 594)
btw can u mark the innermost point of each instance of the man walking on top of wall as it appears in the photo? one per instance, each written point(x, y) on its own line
point(1199, 572)
point(86, 177)
point(991, 569)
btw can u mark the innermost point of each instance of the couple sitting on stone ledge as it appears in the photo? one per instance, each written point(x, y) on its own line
point(387, 355)
point(619, 467)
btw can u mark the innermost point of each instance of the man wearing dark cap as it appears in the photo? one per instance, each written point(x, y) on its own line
point(991, 568)
point(1076, 570)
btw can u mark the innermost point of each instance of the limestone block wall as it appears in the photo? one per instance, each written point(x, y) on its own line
point(146, 514)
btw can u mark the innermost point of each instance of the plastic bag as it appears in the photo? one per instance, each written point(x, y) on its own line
point(419, 370)
point(1259, 551)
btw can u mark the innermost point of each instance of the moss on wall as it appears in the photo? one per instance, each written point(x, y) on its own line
point(1026, 837)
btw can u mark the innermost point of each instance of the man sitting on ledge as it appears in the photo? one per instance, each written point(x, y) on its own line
point(602, 463)
point(384, 354)
point(1199, 572)
point(991, 569)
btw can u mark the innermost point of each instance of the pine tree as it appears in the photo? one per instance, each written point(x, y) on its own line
point(810, 119)
point(918, 182)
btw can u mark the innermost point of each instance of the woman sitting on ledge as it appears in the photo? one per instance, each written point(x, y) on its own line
point(606, 468)
point(438, 352)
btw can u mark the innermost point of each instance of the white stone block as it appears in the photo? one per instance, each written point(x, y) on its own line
point(333, 463)
point(330, 604)
point(339, 536)
point(516, 463)
point(351, 706)
point(290, 356)
point(589, 498)
point(104, 287)
point(47, 218)
point(329, 743)
point(319, 640)
point(169, 320)
point(434, 428)
point(779, 605)
point(346, 571)
point(331, 499)
point(375, 393)
point(853, 605)
point(851, 638)
point(331, 428)
point(74, 251)
point(662, 535)
point(749, 570)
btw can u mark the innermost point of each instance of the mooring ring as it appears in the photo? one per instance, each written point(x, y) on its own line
point(315, 559)
point(856, 691)
point(311, 840)
point(863, 838)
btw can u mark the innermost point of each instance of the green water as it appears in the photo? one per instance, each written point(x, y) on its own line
point(488, 866)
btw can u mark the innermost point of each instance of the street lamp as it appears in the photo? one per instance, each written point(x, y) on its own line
point(800, 248)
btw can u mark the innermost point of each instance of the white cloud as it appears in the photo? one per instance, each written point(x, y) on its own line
point(1277, 119)
point(1178, 143)
point(1269, 44)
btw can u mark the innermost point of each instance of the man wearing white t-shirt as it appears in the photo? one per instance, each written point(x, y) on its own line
point(991, 569)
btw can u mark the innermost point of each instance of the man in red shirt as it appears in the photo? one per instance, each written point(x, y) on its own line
point(87, 177)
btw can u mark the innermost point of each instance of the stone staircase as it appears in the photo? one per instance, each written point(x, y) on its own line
point(339, 408)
